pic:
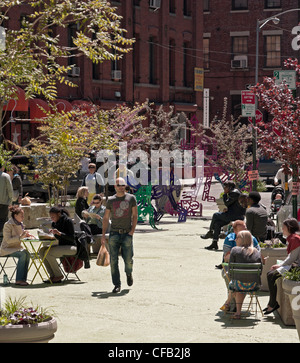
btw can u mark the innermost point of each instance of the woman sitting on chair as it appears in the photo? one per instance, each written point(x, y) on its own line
point(291, 231)
point(13, 232)
point(244, 252)
point(63, 230)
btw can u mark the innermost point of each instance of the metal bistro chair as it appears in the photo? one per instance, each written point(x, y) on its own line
point(255, 269)
point(4, 267)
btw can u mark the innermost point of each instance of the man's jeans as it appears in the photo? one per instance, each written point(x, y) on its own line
point(117, 240)
point(22, 265)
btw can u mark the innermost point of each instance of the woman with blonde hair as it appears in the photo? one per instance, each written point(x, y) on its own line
point(244, 252)
point(81, 202)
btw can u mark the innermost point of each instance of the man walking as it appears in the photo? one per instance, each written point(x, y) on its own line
point(122, 210)
point(6, 195)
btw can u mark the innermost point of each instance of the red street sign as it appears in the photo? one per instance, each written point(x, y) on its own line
point(258, 116)
point(248, 98)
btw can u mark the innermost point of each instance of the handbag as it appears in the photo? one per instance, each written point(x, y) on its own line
point(103, 257)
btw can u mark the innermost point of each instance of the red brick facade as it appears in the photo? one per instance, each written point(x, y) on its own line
point(231, 32)
point(160, 67)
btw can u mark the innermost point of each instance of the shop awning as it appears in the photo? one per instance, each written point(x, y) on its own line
point(83, 105)
point(63, 105)
point(37, 107)
point(19, 103)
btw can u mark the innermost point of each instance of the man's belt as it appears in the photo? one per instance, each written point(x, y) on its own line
point(120, 231)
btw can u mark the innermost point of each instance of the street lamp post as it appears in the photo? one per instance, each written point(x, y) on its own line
point(259, 25)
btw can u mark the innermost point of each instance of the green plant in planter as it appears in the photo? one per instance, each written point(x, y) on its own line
point(274, 243)
point(15, 312)
point(293, 274)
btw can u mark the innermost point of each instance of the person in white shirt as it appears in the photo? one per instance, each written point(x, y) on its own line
point(94, 182)
point(280, 176)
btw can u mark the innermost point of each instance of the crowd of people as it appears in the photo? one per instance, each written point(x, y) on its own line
point(249, 220)
point(117, 215)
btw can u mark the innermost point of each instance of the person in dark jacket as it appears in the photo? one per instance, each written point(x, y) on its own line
point(63, 230)
point(81, 202)
point(234, 211)
point(256, 217)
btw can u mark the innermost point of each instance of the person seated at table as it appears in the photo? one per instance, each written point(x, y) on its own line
point(291, 230)
point(244, 252)
point(97, 211)
point(63, 231)
point(11, 246)
point(81, 202)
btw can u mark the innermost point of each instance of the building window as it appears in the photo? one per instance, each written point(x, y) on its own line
point(136, 57)
point(271, 4)
point(273, 51)
point(152, 61)
point(206, 53)
point(187, 66)
point(172, 7)
point(172, 58)
point(72, 30)
point(187, 11)
point(239, 46)
point(206, 5)
point(239, 4)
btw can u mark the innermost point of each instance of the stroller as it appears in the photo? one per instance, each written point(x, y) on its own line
point(277, 200)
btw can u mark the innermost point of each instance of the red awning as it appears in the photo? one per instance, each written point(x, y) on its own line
point(35, 106)
point(83, 106)
point(19, 103)
point(63, 105)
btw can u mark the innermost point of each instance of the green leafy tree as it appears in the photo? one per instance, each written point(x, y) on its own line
point(34, 56)
point(64, 140)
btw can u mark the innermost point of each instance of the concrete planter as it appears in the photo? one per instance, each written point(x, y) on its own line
point(274, 254)
point(285, 310)
point(32, 213)
point(292, 289)
point(35, 333)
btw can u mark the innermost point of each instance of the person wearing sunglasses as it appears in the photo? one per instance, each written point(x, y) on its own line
point(121, 209)
point(94, 215)
point(93, 181)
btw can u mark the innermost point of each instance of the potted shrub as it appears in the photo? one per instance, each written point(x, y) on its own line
point(291, 287)
point(271, 251)
point(22, 324)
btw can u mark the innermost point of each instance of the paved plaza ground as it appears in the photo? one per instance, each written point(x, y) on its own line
point(175, 297)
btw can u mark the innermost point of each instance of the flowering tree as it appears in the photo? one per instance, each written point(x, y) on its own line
point(280, 137)
point(226, 146)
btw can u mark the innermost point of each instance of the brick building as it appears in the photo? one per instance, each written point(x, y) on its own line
point(160, 67)
point(230, 46)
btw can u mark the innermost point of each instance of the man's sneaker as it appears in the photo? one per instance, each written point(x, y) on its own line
point(116, 289)
point(208, 235)
point(129, 280)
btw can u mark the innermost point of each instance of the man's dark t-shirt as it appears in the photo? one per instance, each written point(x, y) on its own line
point(121, 211)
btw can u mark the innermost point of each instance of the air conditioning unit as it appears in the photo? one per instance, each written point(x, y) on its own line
point(240, 61)
point(74, 72)
point(116, 75)
point(154, 4)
